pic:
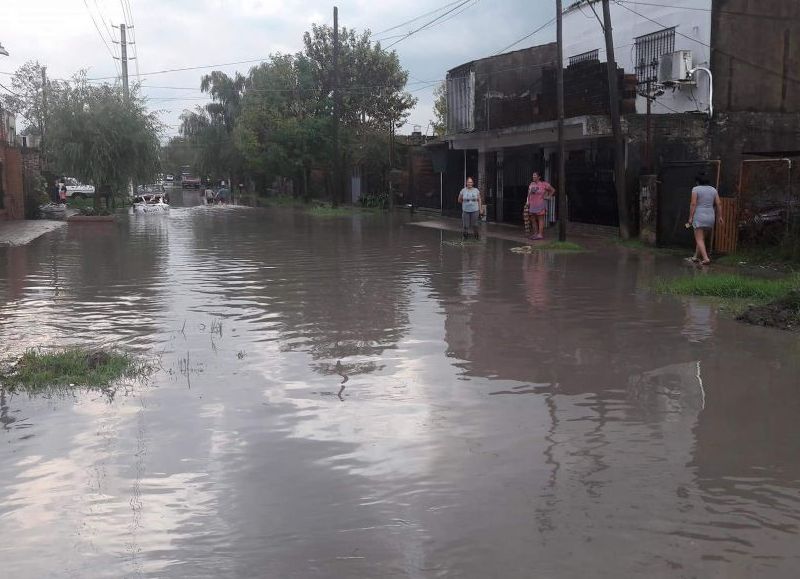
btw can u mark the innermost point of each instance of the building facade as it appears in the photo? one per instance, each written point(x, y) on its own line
point(703, 84)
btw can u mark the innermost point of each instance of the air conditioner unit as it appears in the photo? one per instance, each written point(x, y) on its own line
point(674, 67)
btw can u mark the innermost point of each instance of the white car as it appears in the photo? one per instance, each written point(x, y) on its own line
point(169, 178)
point(78, 189)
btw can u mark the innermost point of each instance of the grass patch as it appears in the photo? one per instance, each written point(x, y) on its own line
point(770, 257)
point(95, 369)
point(560, 246)
point(729, 286)
point(555, 246)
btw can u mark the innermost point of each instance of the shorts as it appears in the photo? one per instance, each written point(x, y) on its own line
point(469, 219)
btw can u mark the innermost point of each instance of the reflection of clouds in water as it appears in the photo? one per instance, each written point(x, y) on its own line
point(699, 320)
point(401, 441)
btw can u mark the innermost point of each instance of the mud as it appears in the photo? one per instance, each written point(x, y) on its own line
point(783, 313)
point(353, 397)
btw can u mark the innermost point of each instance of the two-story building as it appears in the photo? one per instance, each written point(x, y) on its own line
point(700, 81)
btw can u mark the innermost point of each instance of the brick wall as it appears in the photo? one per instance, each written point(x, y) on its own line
point(12, 183)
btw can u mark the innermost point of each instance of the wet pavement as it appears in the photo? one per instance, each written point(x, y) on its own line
point(357, 397)
point(20, 232)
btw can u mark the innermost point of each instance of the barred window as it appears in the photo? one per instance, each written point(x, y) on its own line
point(649, 48)
point(590, 56)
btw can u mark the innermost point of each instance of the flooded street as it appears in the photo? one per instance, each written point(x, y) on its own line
point(362, 397)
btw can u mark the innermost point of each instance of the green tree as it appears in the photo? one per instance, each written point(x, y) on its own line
point(209, 129)
point(371, 80)
point(176, 154)
point(440, 109)
point(283, 128)
point(27, 100)
point(98, 137)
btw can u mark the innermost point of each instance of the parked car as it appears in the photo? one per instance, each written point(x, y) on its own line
point(170, 178)
point(76, 189)
point(190, 182)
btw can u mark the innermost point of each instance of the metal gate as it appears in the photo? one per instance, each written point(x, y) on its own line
point(766, 202)
point(675, 184)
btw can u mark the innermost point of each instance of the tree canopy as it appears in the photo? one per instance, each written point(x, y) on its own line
point(276, 121)
point(95, 135)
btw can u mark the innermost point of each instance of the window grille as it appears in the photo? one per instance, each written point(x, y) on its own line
point(589, 56)
point(649, 48)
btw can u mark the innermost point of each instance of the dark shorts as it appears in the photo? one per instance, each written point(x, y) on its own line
point(469, 219)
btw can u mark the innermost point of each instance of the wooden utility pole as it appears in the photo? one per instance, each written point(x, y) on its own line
point(616, 125)
point(123, 44)
point(337, 177)
point(562, 179)
point(43, 119)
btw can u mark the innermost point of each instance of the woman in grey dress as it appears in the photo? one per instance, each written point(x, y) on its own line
point(704, 213)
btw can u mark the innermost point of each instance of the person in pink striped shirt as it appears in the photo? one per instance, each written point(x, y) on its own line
point(538, 193)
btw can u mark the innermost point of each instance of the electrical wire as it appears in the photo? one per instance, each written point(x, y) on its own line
point(513, 44)
point(720, 11)
point(420, 17)
point(700, 42)
point(427, 24)
point(96, 27)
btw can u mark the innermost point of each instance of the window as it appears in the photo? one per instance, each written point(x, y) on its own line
point(649, 48)
point(590, 56)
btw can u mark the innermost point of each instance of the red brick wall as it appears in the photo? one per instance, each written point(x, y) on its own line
point(14, 205)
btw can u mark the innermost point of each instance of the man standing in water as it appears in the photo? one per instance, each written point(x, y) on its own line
point(470, 199)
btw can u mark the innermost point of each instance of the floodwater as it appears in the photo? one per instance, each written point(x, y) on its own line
point(360, 397)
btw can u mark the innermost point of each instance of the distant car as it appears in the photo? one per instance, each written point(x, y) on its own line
point(169, 178)
point(190, 182)
point(150, 188)
point(76, 189)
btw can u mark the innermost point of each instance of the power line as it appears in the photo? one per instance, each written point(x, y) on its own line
point(132, 27)
point(701, 43)
point(186, 68)
point(720, 11)
point(96, 27)
point(420, 17)
point(427, 24)
point(542, 27)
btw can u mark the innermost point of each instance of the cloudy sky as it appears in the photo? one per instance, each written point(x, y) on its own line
point(169, 34)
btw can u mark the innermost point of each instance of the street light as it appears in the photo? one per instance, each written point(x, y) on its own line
point(3, 51)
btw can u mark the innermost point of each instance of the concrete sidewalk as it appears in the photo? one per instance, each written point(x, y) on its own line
point(24, 231)
point(575, 231)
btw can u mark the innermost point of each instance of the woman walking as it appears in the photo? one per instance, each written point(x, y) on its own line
point(704, 212)
point(536, 206)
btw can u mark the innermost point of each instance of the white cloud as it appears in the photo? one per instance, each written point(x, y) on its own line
point(181, 33)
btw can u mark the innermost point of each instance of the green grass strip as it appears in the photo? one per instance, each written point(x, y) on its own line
point(728, 285)
point(70, 367)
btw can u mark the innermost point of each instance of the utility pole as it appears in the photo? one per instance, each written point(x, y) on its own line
point(562, 179)
point(42, 120)
point(391, 164)
point(124, 58)
point(616, 125)
point(337, 178)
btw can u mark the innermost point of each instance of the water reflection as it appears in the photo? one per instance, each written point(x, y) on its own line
point(354, 398)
